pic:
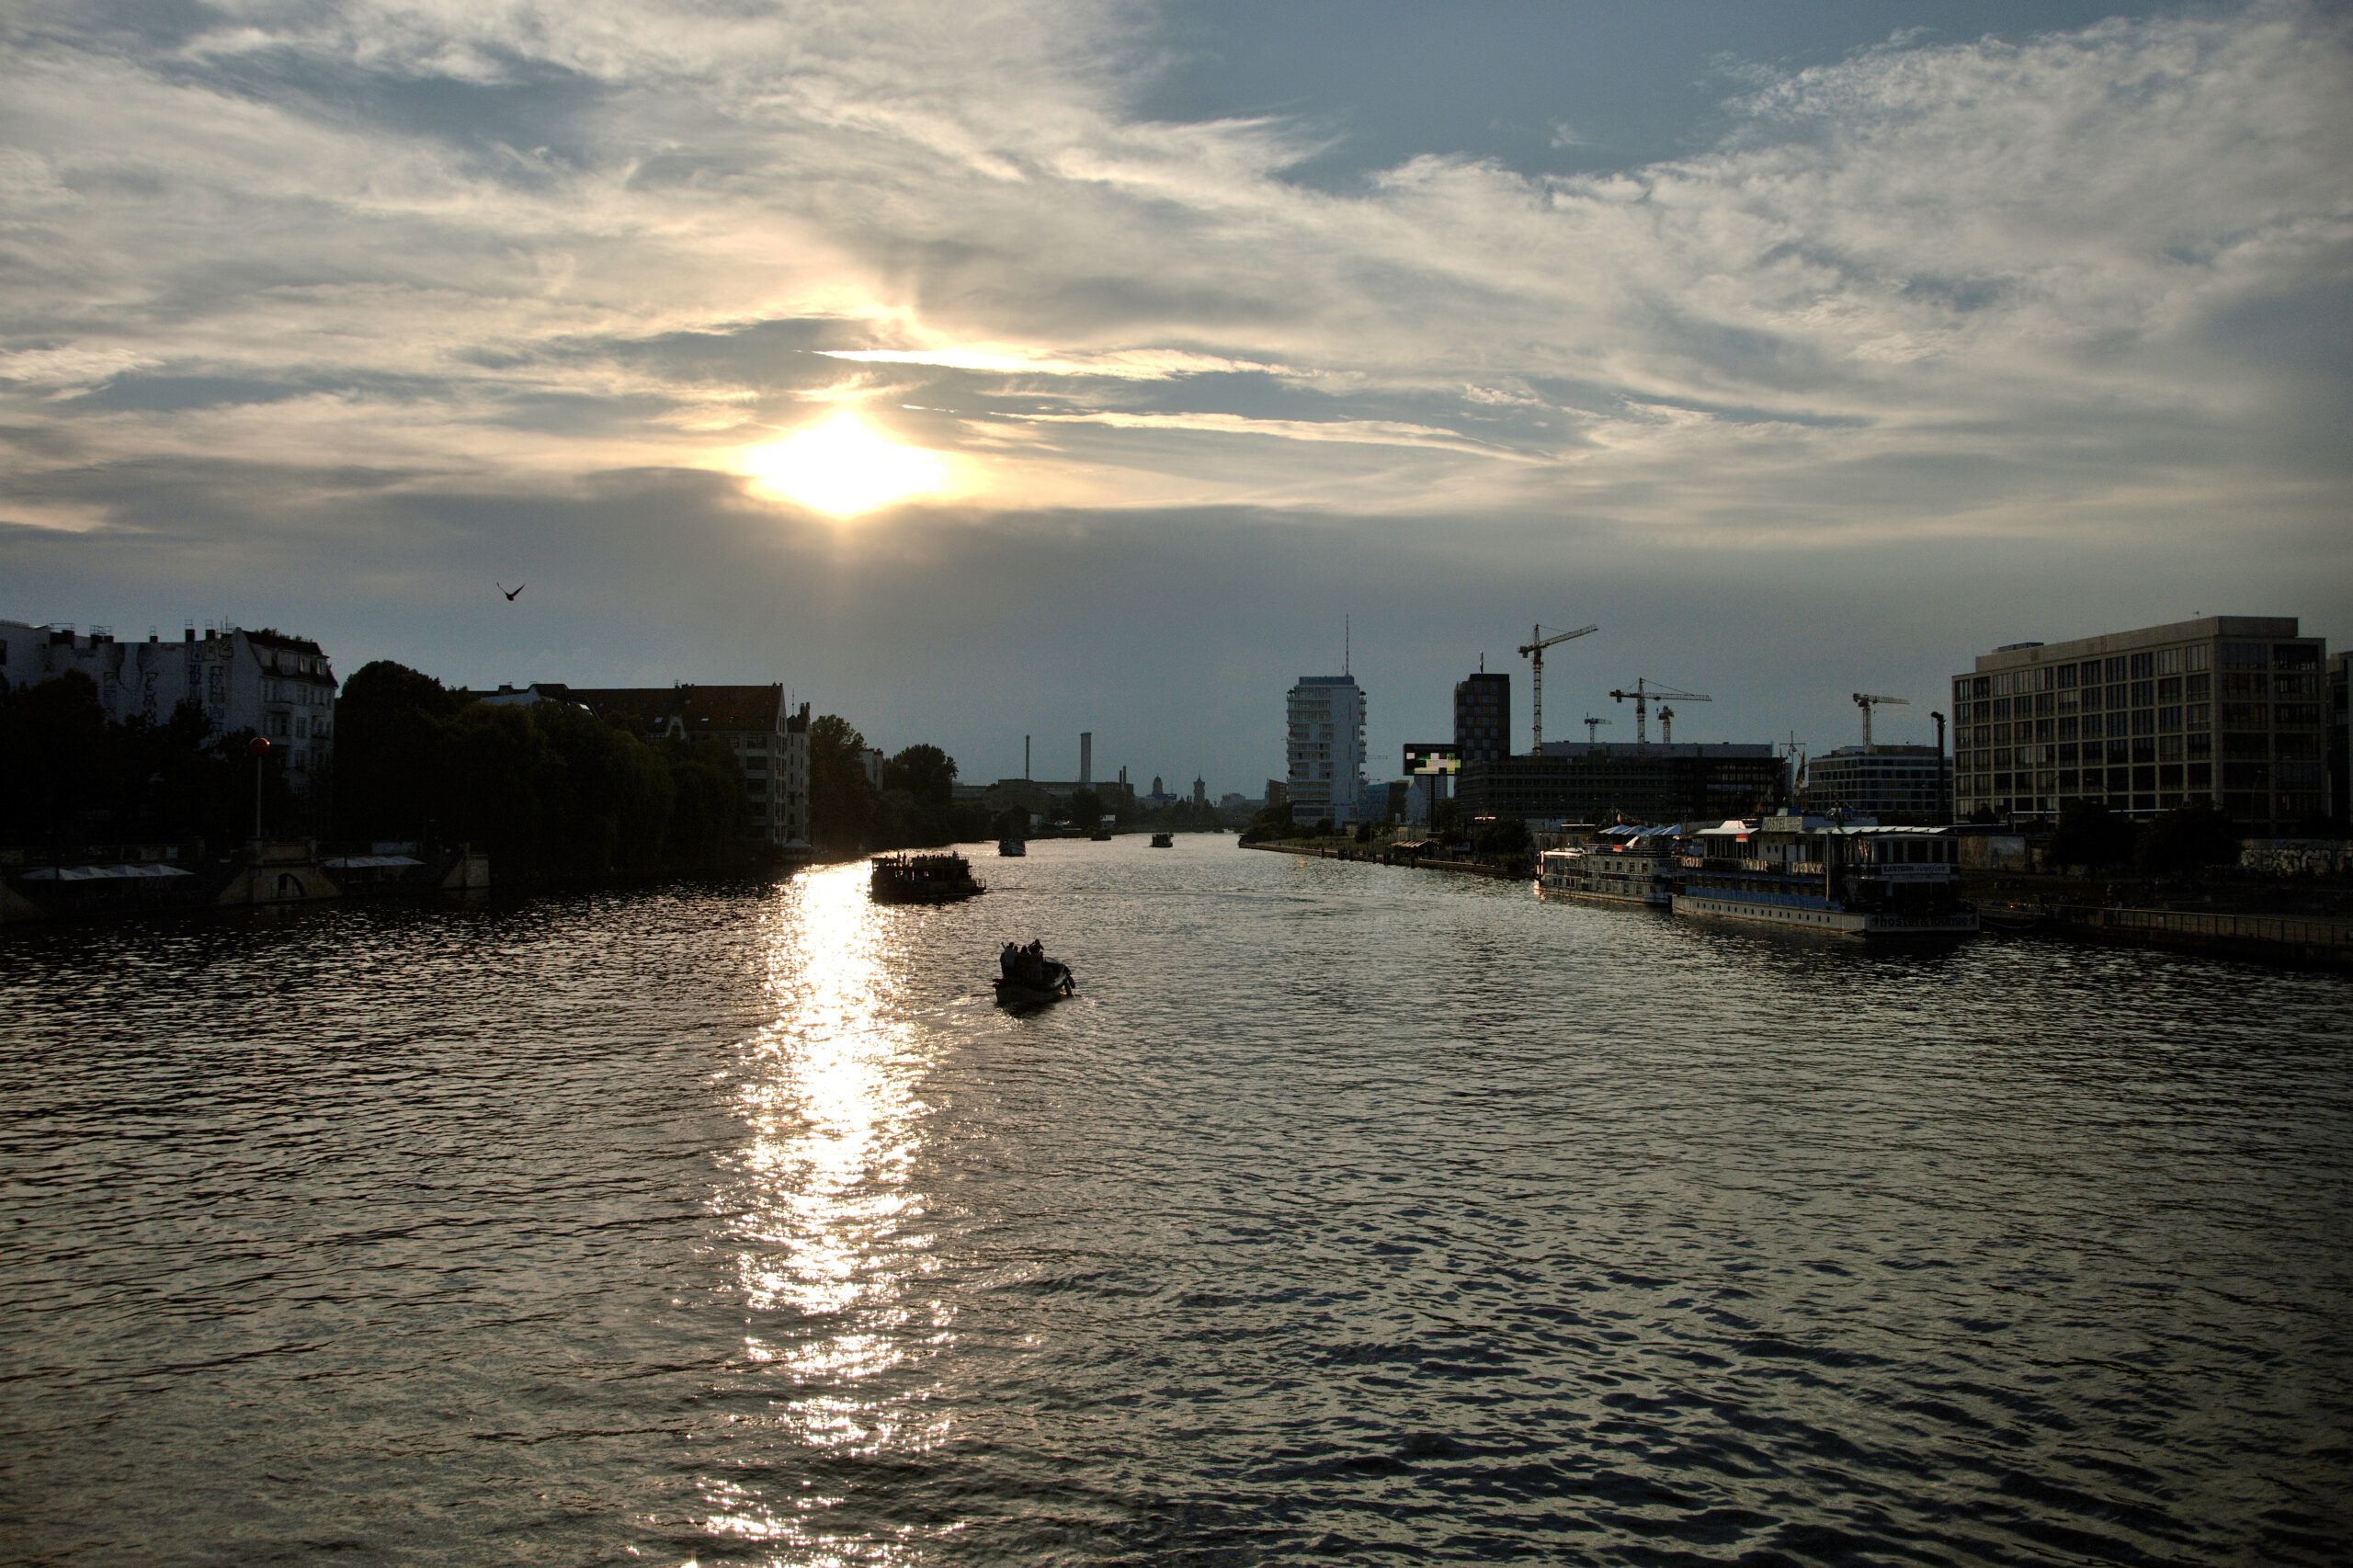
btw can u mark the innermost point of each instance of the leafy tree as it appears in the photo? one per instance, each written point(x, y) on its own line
point(1271, 823)
point(841, 799)
point(1504, 835)
point(711, 823)
point(2186, 837)
point(2091, 836)
point(1085, 808)
point(391, 727)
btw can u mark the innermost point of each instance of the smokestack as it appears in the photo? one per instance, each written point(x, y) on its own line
point(1025, 756)
point(1086, 756)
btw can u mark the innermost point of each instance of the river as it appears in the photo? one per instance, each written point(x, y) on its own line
point(1346, 1215)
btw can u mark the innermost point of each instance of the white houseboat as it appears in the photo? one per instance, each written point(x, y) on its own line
point(1809, 874)
point(1634, 865)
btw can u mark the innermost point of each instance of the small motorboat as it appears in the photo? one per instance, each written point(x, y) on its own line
point(1028, 978)
point(922, 879)
point(1100, 835)
point(1163, 841)
point(1012, 848)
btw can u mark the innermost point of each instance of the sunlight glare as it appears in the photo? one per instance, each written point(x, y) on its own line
point(842, 468)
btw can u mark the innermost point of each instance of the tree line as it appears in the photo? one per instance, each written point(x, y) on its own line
point(550, 792)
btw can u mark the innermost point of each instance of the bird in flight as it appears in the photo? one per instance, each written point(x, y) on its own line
point(510, 594)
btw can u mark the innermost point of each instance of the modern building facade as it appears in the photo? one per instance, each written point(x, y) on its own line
point(1613, 781)
point(1325, 715)
point(279, 687)
point(2229, 709)
point(1881, 781)
point(2340, 738)
point(1482, 716)
point(770, 740)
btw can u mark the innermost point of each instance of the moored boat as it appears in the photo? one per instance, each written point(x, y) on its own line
point(922, 879)
point(1811, 875)
point(1012, 848)
point(1163, 841)
point(1625, 865)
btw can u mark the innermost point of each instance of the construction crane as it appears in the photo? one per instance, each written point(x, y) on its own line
point(1867, 701)
point(1665, 725)
point(1591, 724)
point(1534, 651)
point(1644, 695)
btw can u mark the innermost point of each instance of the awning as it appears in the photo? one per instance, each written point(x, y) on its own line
point(101, 873)
point(348, 862)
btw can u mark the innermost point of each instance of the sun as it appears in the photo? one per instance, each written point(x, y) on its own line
point(842, 468)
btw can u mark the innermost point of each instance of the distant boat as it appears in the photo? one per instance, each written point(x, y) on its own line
point(1012, 848)
point(1100, 835)
point(922, 879)
point(1163, 841)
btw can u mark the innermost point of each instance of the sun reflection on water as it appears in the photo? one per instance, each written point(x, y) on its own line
point(830, 1235)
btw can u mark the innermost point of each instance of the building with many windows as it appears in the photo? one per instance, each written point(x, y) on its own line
point(1879, 782)
point(1613, 781)
point(279, 687)
point(2340, 738)
point(1325, 716)
point(1482, 716)
point(2227, 707)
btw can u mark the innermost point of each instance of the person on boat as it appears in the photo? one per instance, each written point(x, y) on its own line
point(1009, 960)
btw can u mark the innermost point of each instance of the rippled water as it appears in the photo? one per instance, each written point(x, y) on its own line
point(1347, 1215)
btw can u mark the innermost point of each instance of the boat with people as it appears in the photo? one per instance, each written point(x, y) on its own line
point(1100, 835)
point(1028, 978)
point(1011, 847)
point(1815, 875)
point(1163, 841)
point(1622, 865)
point(922, 879)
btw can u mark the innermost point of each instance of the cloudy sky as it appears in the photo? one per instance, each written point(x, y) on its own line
point(1005, 367)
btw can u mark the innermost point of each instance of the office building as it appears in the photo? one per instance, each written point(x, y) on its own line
point(1326, 748)
point(2340, 739)
point(1907, 782)
point(1482, 717)
point(2229, 708)
point(279, 687)
point(1610, 781)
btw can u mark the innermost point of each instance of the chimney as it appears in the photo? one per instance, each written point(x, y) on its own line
point(1086, 756)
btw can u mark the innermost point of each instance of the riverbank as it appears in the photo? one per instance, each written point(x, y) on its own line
point(1379, 854)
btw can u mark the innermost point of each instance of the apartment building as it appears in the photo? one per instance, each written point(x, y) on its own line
point(278, 687)
point(1482, 717)
point(1879, 780)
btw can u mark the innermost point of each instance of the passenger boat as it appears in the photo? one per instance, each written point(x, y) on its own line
point(1030, 979)
point(1813, 875)
point(922, 879)
point(1163, 841)
point(1633, 866)
point(1012, 848)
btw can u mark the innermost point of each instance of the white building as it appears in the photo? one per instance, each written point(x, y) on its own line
point(278, 687)
point(1325, 715)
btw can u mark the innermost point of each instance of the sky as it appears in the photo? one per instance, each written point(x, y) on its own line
point(1010, 369)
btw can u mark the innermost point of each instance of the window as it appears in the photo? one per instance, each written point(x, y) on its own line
point(2169, 690)
point(2002, 685)
point(2116, 695)
point(2067, 730)
point(2201, 744)
point(2193, 658)
point(2066, 755)
point(2145, 693)
point(2197, 715)
point(2115, 669)
point(2042, 704)
point(2295, 656)
point(301, 727)
point(2144, 665)
point(2244, 657)
point(2091, 671)
point(2297, 713)
point(2001, 707)
point(2091, 700)
point(2169, 748)
point(2066, 678)
point(2168, 718)
point(2168, 661)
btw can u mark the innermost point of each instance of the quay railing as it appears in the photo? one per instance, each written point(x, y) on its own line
point(2281, 928)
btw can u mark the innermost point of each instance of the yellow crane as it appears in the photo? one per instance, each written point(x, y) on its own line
point(1867, 701)
point(1645, 693)
point(1534, 652)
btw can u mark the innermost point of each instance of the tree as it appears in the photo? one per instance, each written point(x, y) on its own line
point(1504, 835)
point(1085, 807)
point(390, 728)
point(2187, 837)
point(1271, 823)
point(841, 799)
point(2090, 836)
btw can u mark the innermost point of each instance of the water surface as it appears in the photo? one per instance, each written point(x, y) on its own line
point(1347, 1215)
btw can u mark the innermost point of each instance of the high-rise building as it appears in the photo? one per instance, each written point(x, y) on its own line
point(1326, 748)
point(2228, 708)
point(1612, 780)
point(1482, 716)
point(2340, 737)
